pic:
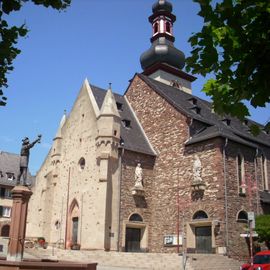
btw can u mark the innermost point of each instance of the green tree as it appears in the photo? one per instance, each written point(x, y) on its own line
point(9, 35)
point(233, 46)
point(263, 229)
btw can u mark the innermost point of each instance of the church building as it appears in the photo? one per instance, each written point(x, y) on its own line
point(154, 169)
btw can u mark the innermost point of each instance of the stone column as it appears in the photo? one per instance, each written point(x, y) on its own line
point(20, 196)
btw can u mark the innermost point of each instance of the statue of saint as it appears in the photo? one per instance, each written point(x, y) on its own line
point(24, 158)
point(138, 176)
point(197, 170)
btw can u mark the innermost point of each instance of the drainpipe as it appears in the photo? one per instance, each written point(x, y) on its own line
point(119, 198)
point(225, 195)
point(66, 231)
point(256, 180)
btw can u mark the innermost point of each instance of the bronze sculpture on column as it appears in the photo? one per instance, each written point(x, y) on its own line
point(24, 159)
point(20, 195)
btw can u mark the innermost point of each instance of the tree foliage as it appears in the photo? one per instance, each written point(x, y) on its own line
point(9, 35)
point(233, 46)
point(263, 229)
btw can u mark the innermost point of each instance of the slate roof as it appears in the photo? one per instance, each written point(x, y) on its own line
point(133, 137)
point(10, 163)
point(201, 110)
point(264, 197)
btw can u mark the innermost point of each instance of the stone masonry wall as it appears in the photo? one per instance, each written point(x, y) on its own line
point(167, 130)
point(131, 204)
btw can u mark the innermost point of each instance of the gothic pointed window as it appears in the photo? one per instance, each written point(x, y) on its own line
point(264, 173)
point(241, 174)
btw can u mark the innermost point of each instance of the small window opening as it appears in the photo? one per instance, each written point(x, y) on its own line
point(115, 132)
point(242, 216)
point(10, 176)
point(126, 123)
point(82, 163)
point(119, 106)
point(135, 217)
point(200, 215)
point(5, 231)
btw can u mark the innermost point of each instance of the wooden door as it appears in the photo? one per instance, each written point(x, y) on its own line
point(203, 239)
point(133, 240)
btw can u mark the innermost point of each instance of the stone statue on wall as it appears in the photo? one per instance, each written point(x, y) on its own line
point(138, 176)
point(197, 170)
point(24, 159)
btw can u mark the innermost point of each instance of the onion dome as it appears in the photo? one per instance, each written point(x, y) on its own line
point(162, 5)
point(162, 49)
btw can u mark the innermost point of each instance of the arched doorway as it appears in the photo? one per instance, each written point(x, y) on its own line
point(203, 234)
point(134, 233)
point(5, 231)
point(73, 224)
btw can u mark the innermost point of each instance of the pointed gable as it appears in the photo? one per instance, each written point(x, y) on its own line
point(109, 105)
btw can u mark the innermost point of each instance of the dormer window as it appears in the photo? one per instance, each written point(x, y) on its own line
point(10, 176)
point(126, 123)
point(119, 106)
point(226, 121)
point(193, 100)
point(1, 174)
point(196, 109)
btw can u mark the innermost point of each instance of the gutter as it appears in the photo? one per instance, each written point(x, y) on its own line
point(225, 195)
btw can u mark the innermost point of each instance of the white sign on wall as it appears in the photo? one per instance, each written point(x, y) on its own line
point(171, 240)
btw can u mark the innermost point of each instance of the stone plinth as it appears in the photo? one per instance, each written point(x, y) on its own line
point(20, 196)
point(137, 191)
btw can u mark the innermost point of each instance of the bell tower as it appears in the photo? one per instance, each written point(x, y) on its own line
point(163, 62)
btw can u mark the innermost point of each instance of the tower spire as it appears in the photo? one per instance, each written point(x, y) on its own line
point(162, 49)
point(162, 61)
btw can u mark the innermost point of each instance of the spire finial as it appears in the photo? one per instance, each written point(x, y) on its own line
point(110, 86)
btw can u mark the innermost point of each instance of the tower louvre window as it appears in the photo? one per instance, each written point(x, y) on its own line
point(155, 27)
point(168, 27)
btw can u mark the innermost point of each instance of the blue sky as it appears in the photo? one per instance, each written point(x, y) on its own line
point(101, 40)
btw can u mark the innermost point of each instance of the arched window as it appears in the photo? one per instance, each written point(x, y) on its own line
point(241, 174)
point(264, 173)
point(200, 215)
point(168, 27)
point(155, 28)
point(5, 231)
point(135, 217)
point(82, 163)
point(242, 216)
